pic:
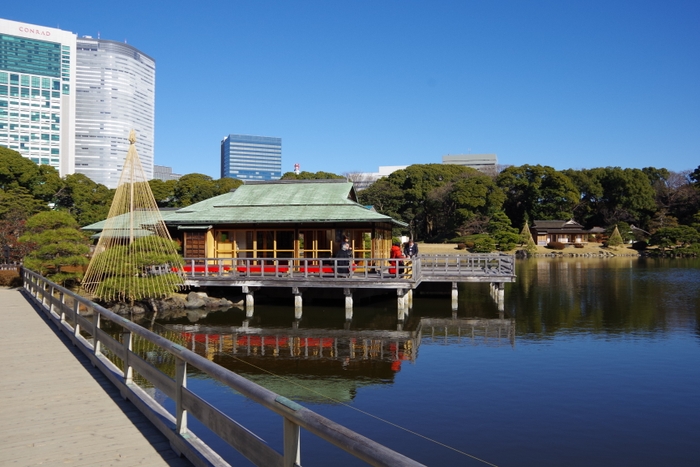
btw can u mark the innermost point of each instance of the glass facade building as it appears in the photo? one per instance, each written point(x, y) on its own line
point(115, 93)
point(37, 93)
point(248, 157)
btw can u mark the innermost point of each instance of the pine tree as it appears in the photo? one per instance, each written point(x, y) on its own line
point(615, 239)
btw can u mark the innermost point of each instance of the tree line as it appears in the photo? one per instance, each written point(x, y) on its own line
point(439, 202)
point(449, 202)
point(74, 201)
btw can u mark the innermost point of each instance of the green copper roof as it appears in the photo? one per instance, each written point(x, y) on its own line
point(281, 201)
point(123, 221)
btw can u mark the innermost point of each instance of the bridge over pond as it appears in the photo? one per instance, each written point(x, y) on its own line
point(119, 350)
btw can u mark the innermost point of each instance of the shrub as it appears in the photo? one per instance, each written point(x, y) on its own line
point(484, 245)
point(578, 245)
point(640, 246)
point(556, 245)
point(461, 246)
point(10, 278)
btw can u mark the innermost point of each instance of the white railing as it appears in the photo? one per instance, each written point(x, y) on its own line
point(78, 317)
point(488, 265)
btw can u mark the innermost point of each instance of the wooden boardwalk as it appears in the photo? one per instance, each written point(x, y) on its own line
point(57, 409)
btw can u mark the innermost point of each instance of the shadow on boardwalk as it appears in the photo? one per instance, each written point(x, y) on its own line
point(59, 409)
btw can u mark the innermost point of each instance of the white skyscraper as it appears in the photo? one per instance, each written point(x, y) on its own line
point(37, 93)
point(71, 102)
point(115, 92)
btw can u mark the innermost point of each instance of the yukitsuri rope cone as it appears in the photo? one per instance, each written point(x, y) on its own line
point(135, 258)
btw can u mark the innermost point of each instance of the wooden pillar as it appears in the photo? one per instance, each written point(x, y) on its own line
point(96, 322)
point(76, 314)
point(180, 384)
point(292, 444)
point(127, 342)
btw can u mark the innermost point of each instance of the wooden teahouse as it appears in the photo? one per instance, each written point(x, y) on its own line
point(282, 219)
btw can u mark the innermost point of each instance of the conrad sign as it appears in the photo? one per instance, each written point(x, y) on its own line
point(35, 31)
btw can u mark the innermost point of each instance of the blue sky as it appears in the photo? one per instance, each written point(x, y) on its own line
point(352, 85)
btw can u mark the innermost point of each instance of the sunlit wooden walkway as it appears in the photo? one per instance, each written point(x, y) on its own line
point(56, 409)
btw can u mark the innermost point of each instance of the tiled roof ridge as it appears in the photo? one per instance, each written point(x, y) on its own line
point(351, 202)
point(291, 182)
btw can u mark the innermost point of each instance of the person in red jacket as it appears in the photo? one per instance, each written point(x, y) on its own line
point(397, 254)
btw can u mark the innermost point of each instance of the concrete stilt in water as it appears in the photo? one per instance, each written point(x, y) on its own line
point(249, 301)
point(455, 297)
point(498, 293)
point(348, 304)
point(410, 299)
point(401, 304)
point(297, 302)
point(501, 296)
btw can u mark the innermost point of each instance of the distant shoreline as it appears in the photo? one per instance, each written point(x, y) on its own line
point(590, 250)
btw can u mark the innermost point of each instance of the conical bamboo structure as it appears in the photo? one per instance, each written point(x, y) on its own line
point(135, 257)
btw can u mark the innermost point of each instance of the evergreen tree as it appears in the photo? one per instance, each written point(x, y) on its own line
point(527, 240)
point(505, 235)
point(615, 239)
point(58, 249)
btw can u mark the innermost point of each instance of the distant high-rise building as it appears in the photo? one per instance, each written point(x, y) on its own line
point(37, 93)
point(487, 163)
point(251, 157)
point(161, 172)
point(115, 93)
point(71, 103)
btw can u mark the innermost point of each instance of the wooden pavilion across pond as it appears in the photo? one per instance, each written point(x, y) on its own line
point(287, 233)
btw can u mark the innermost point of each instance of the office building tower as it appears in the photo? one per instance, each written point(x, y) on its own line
point(251, 157)
point(37, 93)
point(486, 163)
point(115, 93)
point(164, 173)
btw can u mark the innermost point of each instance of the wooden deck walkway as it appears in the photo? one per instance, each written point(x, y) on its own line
point(57, 409)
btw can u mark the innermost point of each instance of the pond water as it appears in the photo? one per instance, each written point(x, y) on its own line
point(591, 362)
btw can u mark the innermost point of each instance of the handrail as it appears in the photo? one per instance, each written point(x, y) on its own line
point(356, 269)
point(301, 268)
point(498, 264)
point(53, 300)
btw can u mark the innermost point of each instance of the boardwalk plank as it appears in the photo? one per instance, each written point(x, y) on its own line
point(58, 409)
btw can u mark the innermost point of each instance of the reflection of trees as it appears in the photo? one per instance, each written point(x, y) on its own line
point(616, 295)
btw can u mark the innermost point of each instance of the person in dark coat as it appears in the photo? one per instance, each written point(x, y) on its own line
point(411, 249)
point(343, 264)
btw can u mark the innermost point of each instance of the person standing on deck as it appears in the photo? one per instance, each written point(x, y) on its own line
point(396, 254)
point(343, 264)
point(411, 249)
